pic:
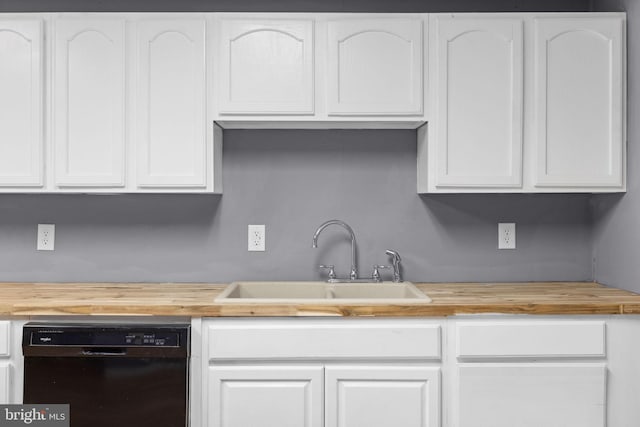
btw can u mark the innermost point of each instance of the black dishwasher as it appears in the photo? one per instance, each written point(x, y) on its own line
point(110, 375)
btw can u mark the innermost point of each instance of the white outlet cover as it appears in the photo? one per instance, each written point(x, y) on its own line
point(506, 235)
point(46, 237)
point(256, 238)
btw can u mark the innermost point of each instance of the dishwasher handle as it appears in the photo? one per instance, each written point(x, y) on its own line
point(104, 351)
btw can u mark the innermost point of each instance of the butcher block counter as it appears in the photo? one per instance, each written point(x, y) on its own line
point(197, 300)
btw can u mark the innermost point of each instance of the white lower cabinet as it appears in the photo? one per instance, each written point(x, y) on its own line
point(317, 373)
point(461, 371)
point(5, 382)
point(10, 361)
point(265, 396)
point(382, 396)
point(529, 372)
point(531, 394)
point(294, 395)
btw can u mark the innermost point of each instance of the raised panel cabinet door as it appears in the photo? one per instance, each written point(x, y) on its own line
point(579, 83)
point(382, 396)
point(5, 383)
point(478, 94)
point(265, 66)
point(21, 103)
point(528, 394)
point(89, 94)
point(171, 104)
point(265, 396)
point(375, 66)
point(5, 338)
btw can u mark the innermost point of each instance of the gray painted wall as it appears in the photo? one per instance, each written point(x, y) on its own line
point(292, 181)
point(617, 218)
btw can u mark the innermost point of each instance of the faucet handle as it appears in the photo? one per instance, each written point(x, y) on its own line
point(376, 273)
point(332, 271)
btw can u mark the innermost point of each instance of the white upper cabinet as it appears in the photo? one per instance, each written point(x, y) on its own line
point(336, 70)
point(477, 101)
point(374, 66)
point(128, 102)
point(171, 93)
point(525, 103)
point(21, 103)
point(579, 94)
point(265, 66)
point(89, 95)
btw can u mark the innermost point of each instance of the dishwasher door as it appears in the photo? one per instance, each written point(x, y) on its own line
point(110, 375)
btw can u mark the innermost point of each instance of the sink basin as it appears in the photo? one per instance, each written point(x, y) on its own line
point(322, 293)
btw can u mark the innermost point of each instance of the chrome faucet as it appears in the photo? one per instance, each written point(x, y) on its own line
point(397, 275)
point(354, 268)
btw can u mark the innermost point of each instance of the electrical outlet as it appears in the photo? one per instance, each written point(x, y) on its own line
point(256, 238)
point(46, 237)
point(506, 235)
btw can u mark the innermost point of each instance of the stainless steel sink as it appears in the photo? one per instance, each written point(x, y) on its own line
point(322, 293)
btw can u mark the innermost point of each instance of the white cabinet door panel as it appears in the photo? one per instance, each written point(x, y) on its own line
point(375, 66)
point(5, 338)
point(171, 103)
point(382, 396)
point(89, 100)
point(579, 101)
point(5, 383)
point(478, 89)
point(265, 396)
point(531, 395)
point(21, 103)
point(266, 66)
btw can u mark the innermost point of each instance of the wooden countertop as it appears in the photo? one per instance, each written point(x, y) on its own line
point(188, 299)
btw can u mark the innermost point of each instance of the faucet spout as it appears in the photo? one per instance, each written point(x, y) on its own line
point(395, 259)
point(354, 268)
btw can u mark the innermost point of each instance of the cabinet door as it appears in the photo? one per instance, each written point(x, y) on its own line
point(549, 395)
point(5, 338)
point(21, 106)
point(265, 396)
point(5, 383)
point(382, 396)
point(478, 95)
point(266, 66)
point(375, 66)
point(579, 102)
point(171, 104)
point(89, 100)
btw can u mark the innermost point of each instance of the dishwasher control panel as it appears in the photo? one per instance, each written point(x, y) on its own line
point(103, 336)
point(145, 338)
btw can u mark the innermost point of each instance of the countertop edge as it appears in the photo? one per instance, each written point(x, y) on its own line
point(197, 300)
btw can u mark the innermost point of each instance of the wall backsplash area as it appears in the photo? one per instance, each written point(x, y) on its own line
point(292, 181)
